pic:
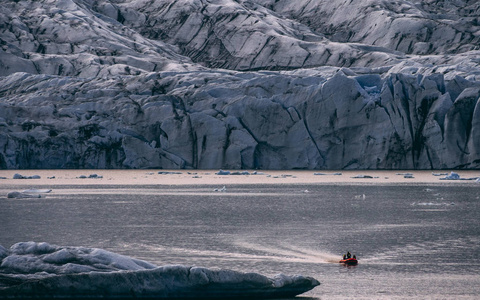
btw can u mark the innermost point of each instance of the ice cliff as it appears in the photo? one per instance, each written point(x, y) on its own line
point(40, 270)
point(240, 84)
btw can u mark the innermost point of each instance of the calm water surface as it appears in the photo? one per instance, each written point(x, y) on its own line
point(414, 241)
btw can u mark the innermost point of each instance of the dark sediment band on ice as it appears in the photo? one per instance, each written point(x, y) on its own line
point(40, 270)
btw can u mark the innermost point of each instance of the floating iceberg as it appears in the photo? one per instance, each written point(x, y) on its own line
point(20, 195)
point(41, 270)
point(38, 191)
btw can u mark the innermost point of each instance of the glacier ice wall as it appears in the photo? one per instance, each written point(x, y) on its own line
point(239, 84)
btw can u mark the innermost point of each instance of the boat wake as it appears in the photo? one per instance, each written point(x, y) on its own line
point(289, 253)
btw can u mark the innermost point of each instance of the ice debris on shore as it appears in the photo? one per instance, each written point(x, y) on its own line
point(322, 174)
point(169, 173)
point(456, 176)
point(32, 269)
point(362, 176)
point(225, 173)
point(19, 176)
point(94, 176)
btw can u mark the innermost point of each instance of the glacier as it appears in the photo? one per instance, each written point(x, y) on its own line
point(247, 84)
point(41, 270)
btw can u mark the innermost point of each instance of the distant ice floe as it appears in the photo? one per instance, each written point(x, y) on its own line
point(169, 173)
point(20, 195)
point(282, 176)
point(363, 176)
point(38, 191)
point(439, 174)
point(225, 172)
point(95, 176)
point(19, 176)
point(456, 176)
point(406, 175)
point(41, 270)
point(30, 193)
point(321, 174)
point(433, 203)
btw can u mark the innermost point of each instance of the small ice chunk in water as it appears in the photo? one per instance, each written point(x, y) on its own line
point(20, 195)
point(38, 191)
point(224, 189)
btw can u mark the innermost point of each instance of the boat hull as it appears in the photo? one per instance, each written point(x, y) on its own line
point(349, 261)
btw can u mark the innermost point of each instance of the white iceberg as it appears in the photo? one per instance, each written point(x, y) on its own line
point(42, 270)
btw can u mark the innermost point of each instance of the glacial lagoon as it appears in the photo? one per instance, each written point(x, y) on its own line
point(416, 236)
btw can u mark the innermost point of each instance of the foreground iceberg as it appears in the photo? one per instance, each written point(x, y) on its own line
point(33, 270)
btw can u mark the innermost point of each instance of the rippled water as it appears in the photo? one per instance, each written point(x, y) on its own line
point(414, 241)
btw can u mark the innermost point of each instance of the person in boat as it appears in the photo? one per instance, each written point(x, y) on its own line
point(348, 254)
point(354, 256)
point(344, 256)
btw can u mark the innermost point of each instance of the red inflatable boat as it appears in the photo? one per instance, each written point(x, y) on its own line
point(349, 261)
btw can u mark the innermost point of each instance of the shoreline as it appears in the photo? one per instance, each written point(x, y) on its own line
point(210, 177)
